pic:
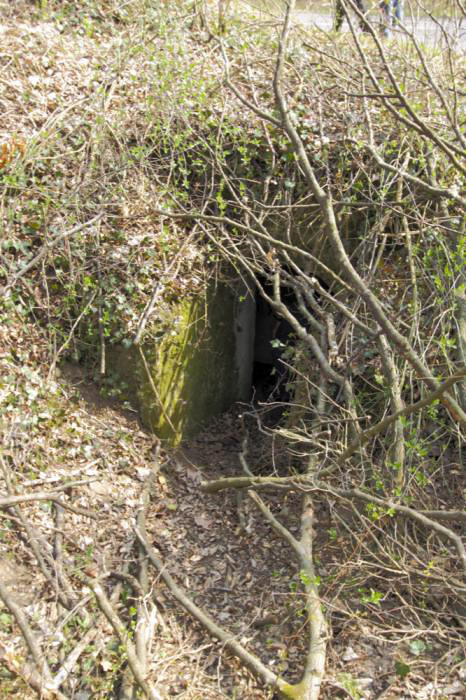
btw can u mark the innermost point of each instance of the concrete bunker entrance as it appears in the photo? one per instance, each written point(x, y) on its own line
point(227, 346)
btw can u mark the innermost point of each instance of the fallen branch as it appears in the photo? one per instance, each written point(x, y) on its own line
point(228, 640)
point(144, 621)
point(8, 501)
point(73, 657)
point(255, 482)
point(309, 686)
point(123, 636)
point(60, 576)
point(39, 677)
point(50, 566)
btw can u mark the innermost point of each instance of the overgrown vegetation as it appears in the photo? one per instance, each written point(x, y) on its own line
point(141, 150)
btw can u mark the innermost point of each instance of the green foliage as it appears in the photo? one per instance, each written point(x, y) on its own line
point(350, 684)
point(402, 670)
point(370, 596)
point(308, 580)
point(6, 621)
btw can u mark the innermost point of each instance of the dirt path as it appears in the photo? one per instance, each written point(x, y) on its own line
point(240, 572)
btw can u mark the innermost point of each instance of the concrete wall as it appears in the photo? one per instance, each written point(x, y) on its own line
point(199, 366)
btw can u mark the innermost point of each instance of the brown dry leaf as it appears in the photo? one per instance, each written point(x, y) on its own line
point(101, 488)
point(194, 475)
point(203, 520)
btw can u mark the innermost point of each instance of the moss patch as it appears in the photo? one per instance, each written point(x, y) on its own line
point(194, 374)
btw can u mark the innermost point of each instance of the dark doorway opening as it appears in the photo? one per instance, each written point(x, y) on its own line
point(273, 338)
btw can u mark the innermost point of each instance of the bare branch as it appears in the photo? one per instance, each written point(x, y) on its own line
point(46, 685)
point(123, 636)
point(389, 420)
point(48, 246)
point(8, 501)
point(403, 510)
point(344, 263)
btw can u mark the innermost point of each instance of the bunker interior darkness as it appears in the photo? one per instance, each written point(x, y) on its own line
point(272, 336)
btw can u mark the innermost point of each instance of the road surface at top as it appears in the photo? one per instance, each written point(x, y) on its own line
point(425, 30)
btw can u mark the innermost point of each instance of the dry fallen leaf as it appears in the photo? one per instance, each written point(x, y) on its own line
point(203, 521)
point(106, 665)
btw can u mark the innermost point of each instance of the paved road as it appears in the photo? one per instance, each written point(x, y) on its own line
point(425, 30)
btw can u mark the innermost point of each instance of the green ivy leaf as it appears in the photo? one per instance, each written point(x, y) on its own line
point(402, 669)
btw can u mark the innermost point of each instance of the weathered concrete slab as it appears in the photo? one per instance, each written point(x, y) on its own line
point(199, 365)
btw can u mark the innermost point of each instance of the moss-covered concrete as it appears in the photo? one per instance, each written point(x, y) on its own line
point(200, 366)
